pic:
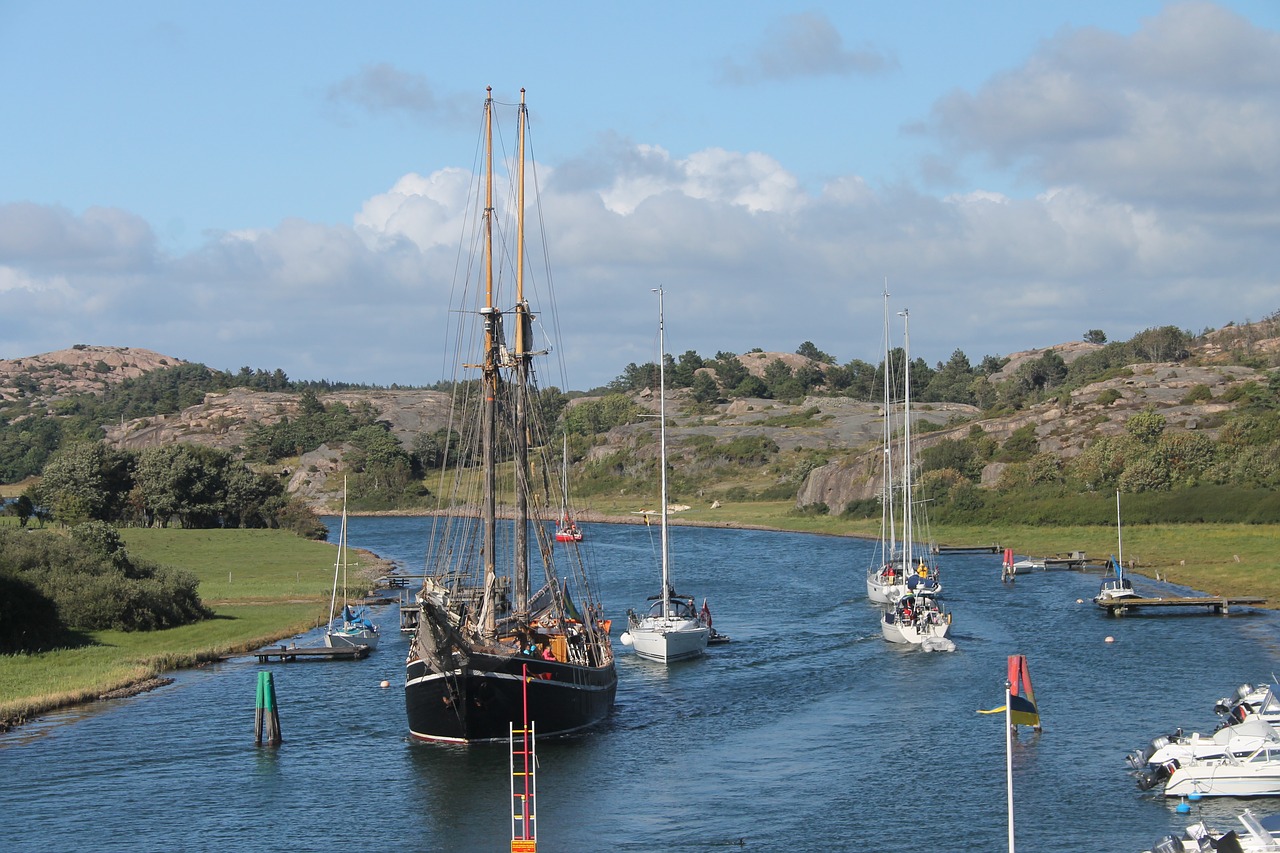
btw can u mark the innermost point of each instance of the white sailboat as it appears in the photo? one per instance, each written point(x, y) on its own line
point(351, 627)
point(671, 630)
point(904, 566)
point(567, 530)
point(1115, 585)
point(915, 615)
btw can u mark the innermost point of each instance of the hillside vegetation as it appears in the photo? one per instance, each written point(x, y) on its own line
point(1164, 412)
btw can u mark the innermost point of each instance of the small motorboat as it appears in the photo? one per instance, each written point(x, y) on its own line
point(1260, 835)
point(1239, 772)
point(1240, 739)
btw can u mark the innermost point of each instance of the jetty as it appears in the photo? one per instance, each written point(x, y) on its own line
point(967, 549)
point(288, 654)
point(1214, 603)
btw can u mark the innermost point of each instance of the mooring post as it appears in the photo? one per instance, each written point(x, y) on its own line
point(266, 714)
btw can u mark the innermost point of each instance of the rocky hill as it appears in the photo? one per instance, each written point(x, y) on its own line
point(44, 379)
point(843, 430)
point(1101, 408)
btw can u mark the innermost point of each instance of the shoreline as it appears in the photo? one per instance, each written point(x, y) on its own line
point(375, 567)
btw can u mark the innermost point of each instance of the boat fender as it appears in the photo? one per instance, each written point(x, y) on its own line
point(948, 618)
point(626, 638)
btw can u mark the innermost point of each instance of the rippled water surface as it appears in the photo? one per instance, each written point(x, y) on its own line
point(808, 732)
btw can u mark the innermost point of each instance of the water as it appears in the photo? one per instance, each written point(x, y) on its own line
point(807, 732)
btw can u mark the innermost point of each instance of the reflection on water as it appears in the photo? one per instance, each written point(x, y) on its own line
point(807, 732)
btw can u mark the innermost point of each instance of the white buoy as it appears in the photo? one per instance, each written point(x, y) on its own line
point(626, 638)
point(385, 683)
point(1079, 601)
point(1111, 639)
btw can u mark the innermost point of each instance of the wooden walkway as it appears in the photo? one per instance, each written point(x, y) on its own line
point(288, 654)
point(1215, 603)
point(967, 549)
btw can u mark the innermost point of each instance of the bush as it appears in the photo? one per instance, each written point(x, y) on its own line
point(1195, 394)
point(93, 591)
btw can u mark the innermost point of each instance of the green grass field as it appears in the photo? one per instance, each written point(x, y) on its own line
point(263, 585)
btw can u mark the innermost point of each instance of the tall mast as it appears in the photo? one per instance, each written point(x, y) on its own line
point(520, 579)
point(888, 519)
point(488, 425)
point(907, 510)
point(662, 441)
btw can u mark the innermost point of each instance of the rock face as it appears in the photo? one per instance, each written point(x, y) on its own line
point(53, 375)
point(1058, 430)
point(226, 419)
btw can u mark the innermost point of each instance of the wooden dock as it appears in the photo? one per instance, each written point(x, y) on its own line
point(967, 549)
point(1215, 603)
point(288, 654)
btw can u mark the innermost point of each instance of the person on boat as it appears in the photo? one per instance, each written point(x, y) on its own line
point(547, 654)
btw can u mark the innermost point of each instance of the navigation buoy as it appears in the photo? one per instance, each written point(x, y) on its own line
point(1111, 639)
point(1182, 807)
point(626, 638)
point(1194, 796)
point(1079, 601)
point(385, 683)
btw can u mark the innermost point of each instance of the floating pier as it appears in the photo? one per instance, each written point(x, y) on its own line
point(288, 654)
point(1215, 603)
point(967, 549)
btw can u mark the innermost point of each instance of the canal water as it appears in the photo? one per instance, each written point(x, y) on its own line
point(807, 732)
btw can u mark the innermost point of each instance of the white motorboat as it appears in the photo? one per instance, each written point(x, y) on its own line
point(672, 629)
point(1255, 773)
point(1260, 835)
point(1240, 740)
point(1248, 700)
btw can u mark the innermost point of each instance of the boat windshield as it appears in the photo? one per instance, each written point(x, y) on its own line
point(681, 608)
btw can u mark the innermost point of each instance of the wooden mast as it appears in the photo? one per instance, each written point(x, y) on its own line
point(488, 426)
point(520, 580)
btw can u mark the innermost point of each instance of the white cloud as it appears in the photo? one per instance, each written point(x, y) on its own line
point(803, 45)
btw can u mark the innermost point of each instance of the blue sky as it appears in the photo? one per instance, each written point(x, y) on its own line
point(267, 184)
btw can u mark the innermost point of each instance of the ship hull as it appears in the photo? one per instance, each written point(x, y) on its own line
point(480, 702)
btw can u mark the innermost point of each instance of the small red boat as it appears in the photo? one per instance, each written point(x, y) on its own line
point(568, 531)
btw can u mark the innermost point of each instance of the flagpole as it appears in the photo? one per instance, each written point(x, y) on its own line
point(1008, 755)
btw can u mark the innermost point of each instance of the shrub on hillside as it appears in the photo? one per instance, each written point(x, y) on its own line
point(93, 590)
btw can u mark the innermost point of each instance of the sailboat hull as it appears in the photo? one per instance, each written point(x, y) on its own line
point(669, 640)
point(345, 640)
point(479, 702)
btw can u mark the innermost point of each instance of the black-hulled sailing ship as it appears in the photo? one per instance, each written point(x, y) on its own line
point(487, 628)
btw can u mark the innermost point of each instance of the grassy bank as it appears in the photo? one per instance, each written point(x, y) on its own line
point(263, 585)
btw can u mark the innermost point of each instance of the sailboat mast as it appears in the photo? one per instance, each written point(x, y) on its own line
point(339, 561)
point(488, 426)
point(907, 509)
point(1119, 537)
point(662, 442)
point(520, 579)
point(888, 519)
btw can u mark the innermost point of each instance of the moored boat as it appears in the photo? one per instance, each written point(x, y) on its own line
point(352, 627)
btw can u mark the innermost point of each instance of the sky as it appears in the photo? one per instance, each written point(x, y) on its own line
point(280, 185)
